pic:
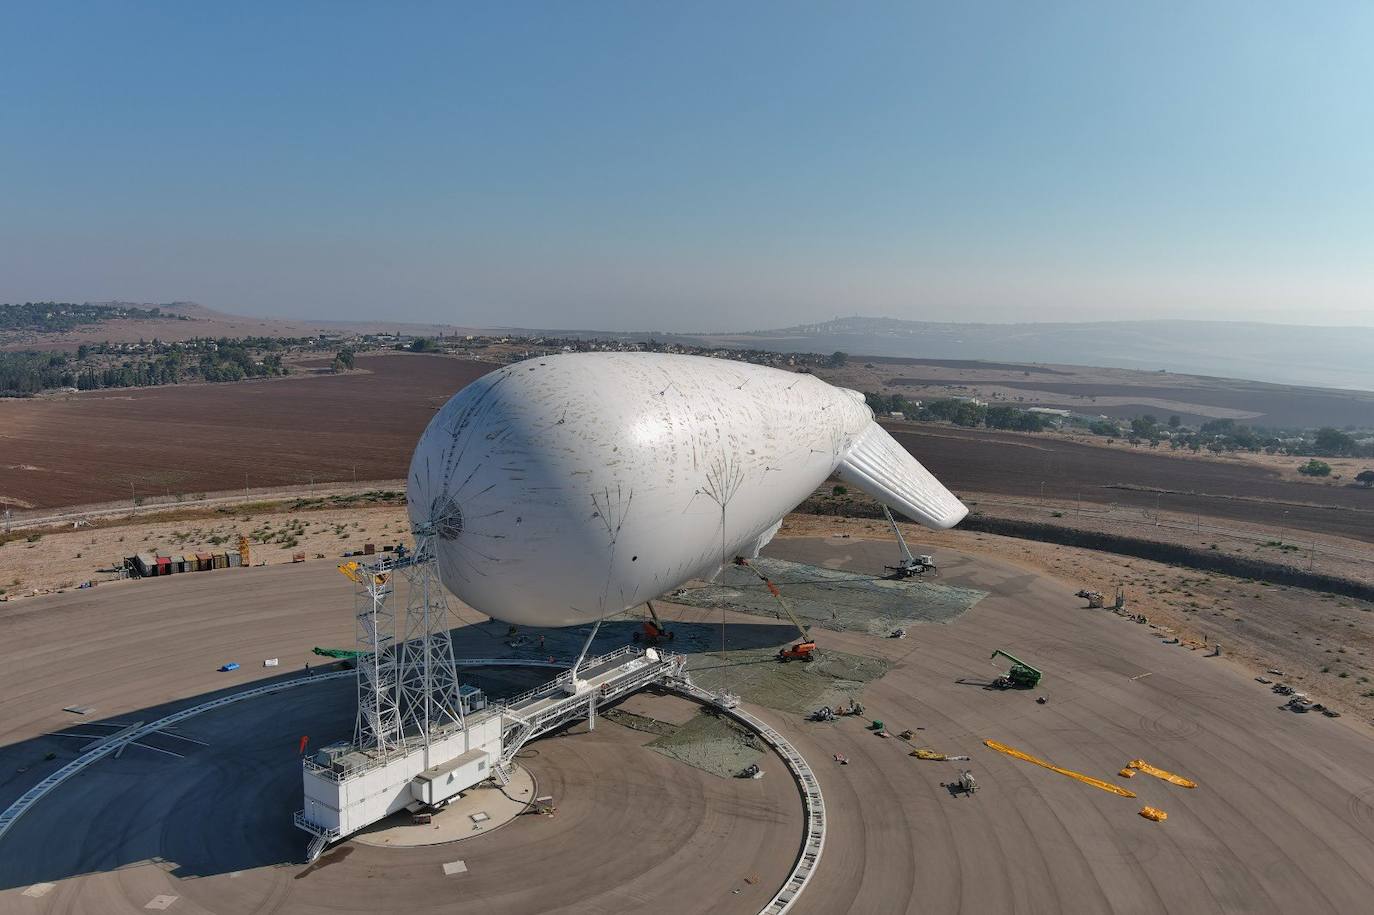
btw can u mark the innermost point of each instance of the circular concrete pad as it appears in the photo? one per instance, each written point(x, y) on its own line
point(479, 810)
point(1281, 820)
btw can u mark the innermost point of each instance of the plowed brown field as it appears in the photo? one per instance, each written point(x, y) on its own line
point(970, 461)
point(203, 438)
point(89, 448)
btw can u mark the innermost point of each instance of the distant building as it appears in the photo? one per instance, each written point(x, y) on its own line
point(1050, 411)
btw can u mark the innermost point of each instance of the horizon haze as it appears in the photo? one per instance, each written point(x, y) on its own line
point(619, 165)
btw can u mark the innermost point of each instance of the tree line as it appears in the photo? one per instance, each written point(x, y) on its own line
point(55, 317)
point(959, 412)
point(1227, 435)
point(24, 374)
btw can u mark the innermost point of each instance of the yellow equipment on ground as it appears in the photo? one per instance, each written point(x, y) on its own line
point(1157, 772)
point(1085, 779)
point(1154, 813)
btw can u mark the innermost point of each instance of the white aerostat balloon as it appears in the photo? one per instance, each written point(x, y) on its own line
point(568, 488)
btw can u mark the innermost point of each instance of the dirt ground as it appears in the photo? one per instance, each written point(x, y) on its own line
point(1282, 819)
point(1004, 463)
point(1343, 470)
point(1324, 644)
point(1315, 638)
point(103, 445)
point(65, 560)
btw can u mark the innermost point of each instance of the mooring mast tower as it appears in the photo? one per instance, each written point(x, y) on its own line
point(408, 687)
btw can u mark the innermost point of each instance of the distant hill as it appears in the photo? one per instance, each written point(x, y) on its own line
point(59, 328)
point(1333, 357)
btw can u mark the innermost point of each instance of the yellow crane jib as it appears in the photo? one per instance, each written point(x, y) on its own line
point(355, 572)
point(1085, 779)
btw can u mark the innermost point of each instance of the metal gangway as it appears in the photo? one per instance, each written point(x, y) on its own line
point(577, 694)
point(813, 802)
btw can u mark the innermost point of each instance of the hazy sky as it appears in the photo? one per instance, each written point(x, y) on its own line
point(687, 166)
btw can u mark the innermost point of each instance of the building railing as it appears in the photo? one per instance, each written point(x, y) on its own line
point(329, 834)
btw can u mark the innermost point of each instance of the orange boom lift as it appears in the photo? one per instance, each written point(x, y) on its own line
point(801, 651)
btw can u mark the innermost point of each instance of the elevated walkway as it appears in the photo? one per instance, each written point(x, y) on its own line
point(813, 802)
point(577, 694)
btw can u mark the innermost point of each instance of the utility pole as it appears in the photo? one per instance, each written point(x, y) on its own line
point(133, 499)
point(245, 486)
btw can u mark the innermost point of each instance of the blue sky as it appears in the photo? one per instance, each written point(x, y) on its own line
point(693, 166)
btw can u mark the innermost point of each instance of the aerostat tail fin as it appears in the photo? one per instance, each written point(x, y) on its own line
point(887, 472)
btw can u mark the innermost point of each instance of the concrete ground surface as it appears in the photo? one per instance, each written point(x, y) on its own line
point(1282, 820)
point(478, 810)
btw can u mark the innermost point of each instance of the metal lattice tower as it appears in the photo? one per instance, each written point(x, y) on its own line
point(427, 677)
point(379, 716)
point(407, 678)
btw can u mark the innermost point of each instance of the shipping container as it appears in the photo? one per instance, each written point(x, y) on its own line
point(203, 562)
point(164, 565)
point(235, 560)
point(146, 564)
point(218, 561)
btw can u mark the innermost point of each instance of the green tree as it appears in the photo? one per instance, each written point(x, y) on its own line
point(959, 412)
point(1175, 421)
point(1104, 427)
point(1365, 478)
point(1315, 468)
point(1008, 417)
point(1333, 442)
point(837, 359)
point(1145, 426)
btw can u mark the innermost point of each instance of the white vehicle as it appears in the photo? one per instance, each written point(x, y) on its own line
point(568, 488)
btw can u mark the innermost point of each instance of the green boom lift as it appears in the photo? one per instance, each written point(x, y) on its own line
point(343, 654)
point(1021, 675)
